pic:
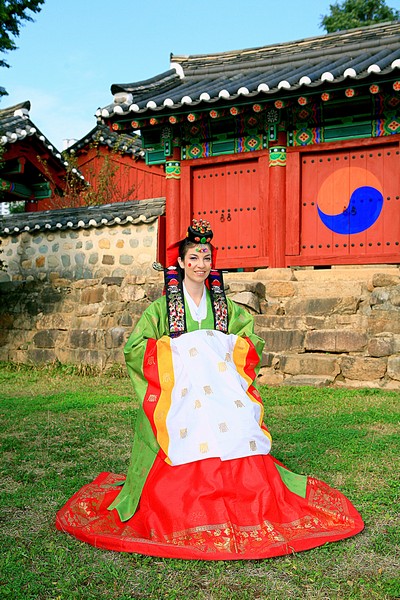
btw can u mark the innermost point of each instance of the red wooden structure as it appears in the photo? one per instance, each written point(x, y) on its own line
point(115, 171)
point(291, 151)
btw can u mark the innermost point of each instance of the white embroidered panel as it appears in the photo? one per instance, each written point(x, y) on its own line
point(210, 414)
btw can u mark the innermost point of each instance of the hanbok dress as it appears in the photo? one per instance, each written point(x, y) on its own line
point(202, 483)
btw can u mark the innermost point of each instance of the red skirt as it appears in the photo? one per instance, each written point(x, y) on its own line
point(212, 510)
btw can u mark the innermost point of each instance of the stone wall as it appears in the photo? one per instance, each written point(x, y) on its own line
point(338, 326)
point(112, 240)
point(81, 254)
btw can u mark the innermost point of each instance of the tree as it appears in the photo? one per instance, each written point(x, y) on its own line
point(357, 13)
point(12, 14)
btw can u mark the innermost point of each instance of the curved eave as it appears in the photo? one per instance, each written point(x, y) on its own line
point(255, 95)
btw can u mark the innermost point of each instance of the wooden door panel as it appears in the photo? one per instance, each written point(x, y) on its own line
point(350, 205)
point(228, 195)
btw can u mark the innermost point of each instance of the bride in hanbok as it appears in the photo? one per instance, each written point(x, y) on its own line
point(202, 483)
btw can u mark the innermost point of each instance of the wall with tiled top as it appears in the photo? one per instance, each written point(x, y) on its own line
point(87, 253)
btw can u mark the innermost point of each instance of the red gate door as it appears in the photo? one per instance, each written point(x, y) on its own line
point(350, 206)
point(228, 195)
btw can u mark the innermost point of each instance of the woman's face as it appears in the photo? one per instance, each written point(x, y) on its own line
point(197, 263)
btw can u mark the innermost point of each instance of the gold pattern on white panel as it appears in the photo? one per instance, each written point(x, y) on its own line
point(222, 367)
point(223, 427)
point(253, 445)
point(207, 390)
point(197, 404)
point(203, 447)
point(193, 352)
point(183, 433)
point(184, 391)
point(239, 404)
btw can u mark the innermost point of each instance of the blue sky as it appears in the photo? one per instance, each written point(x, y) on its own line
point(75, 50)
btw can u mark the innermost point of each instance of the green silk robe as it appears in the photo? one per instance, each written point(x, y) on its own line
point(153, 324)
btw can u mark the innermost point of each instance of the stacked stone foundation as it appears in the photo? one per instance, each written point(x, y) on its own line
point(327, 327)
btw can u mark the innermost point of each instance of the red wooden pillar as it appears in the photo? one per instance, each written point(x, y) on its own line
point(277, 203)
point(173, 197)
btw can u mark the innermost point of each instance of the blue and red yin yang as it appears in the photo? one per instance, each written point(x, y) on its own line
point(350, 201)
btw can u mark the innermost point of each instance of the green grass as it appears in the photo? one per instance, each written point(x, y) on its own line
point(59, 429)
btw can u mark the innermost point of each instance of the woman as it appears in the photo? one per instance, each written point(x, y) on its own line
point(201, 482)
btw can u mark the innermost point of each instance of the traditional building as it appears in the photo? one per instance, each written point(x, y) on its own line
point(31, 168)
point(114, 166)
point(290, 150)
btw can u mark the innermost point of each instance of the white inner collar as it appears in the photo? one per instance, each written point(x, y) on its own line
point(198, 312)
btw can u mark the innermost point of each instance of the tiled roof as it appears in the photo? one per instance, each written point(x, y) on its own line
point(355, 55)
point(104, 136)
point(106, 215)
point(16, 125)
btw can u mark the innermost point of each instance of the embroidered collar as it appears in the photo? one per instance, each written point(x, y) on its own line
point(174, 292)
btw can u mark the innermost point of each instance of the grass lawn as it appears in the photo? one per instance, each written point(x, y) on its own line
point(59, 429)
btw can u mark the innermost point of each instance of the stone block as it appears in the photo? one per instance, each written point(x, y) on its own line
point(115, 337)
point(308, 380)
point(278, 322)
point(93, 295)
point(5, 355)
point(46, 338)
point(269, 377)
point(87, 339)
point(41, 355)
point(279, 289)
point(363, 368)
point(315, 322)
point(112, 281)
point(154, 291)
point(62, 283)
point(126, 320)
point(394, 296)
point(269, 359)
point(379, 296)
point(247, 299)
point(125, 259)
point(86, 283)
point(273, 274)
point(385, 279)
point(4, 337)
point(355, 384)
point(87, 310)
point(328, 288)
point(132, 293)
point(116, 356)
point(393, 367)
point(78, 356)
point(113, 307)
point(385, 321)
point(381, 345)
point(391, 384)
point(311, 306)
point(108, 259)
point(6, 321)
point(4, 277)
point(336, 341)
point(279, 340)
point(256, 287)
point(40, 260)
point(310, 364)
